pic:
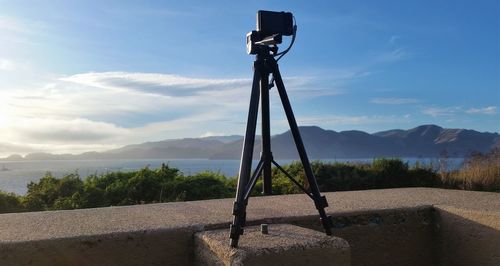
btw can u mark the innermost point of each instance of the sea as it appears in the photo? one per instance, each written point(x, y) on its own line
point(15, 175)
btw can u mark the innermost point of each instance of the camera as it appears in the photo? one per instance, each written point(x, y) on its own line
point(270, 23)
point(271, 27)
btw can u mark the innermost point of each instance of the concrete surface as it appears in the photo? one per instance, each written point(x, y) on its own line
point(388, 237)
point(60, 236)
point(467, 237)
point(158, 247)
point(284, 245)
point(216, 213)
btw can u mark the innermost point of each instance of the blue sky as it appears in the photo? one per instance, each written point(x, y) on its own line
point(94, 75)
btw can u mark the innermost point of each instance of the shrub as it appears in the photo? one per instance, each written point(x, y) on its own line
point(478, 172)
point(201, 186)
point(10, 202)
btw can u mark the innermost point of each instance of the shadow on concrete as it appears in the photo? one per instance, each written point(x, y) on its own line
point(466, 237)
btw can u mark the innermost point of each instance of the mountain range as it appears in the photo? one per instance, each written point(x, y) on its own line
point(421, 141)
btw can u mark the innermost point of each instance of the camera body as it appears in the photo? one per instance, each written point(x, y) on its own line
point(270, 23)
point(271, 26)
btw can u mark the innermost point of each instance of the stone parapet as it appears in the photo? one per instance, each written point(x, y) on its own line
point(410, 226)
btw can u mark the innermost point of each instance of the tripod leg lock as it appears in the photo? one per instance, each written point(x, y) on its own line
point(235, 208)
point(240, 212)
point(321, 203)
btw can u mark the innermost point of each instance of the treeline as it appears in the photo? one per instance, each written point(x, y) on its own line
point(167, 184)
point(147, 185)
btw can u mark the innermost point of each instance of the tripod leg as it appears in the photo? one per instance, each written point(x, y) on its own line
point(319, 201)
point(239, 208)
point(267, 156)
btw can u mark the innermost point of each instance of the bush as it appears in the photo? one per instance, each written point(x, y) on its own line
point(10, 202)
point(479, 172)
point(206, 185)
point(51, 193)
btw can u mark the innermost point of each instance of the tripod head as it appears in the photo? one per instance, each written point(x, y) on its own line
point(256, 44)
point(271, 27)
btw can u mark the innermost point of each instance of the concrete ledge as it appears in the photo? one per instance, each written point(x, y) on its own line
point(126, 248)
point(283, 245)
point(163, 233)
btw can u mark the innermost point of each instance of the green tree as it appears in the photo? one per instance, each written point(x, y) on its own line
point(10, 202)
point(198, 187)
point(51, 193)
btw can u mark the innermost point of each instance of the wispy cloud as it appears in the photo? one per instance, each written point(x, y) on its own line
point(441, 111)
point(10, 24)
point(106, 109)
point(392, 56)
point(145, 11)
point(489, 110)
point(211, 134)
point(394, 100)
point(7, 149)
point(351, 120)
point(394, 39)
point(46, 130)
point(457, 110)
point(6, 64)
point(154, 83)
point(17, 30)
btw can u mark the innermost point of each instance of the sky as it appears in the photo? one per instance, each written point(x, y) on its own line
point(78, 76)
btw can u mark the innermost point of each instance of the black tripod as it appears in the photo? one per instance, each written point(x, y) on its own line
point(264, 65)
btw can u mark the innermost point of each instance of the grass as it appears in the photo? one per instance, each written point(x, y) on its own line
point(478, 172)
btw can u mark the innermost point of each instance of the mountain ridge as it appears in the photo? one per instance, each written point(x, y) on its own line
point(421, 141)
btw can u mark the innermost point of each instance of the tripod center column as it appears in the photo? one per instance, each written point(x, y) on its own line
point(266, 154)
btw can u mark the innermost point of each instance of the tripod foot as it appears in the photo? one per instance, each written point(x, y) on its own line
point(234, 234)
point(233, 242)
point(327, 224)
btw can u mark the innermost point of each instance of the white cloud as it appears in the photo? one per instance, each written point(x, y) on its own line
point(61, 131)
point(328, 120)
point(455, 110)
point(394, 39)
point(441, 111)
point(154, 83)
point(17, 31)
point(6, 64)
point(392, 56)
point(104, 110)
point(212, 134)
point(7, 148)
point(10, 24)
point(38, 134)
point(393, 100)
point(489, 110)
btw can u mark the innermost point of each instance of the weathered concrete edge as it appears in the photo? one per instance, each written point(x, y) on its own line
point(175, 245)
point(75, 232)
point(211, 247)
point(217, 213)
point(192, 229)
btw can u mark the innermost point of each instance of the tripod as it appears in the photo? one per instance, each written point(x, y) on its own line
point(264, 65)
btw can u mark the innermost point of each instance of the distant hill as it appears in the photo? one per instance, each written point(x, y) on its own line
point(421, 141)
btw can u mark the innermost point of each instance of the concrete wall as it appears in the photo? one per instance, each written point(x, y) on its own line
point(467, 237)
point(158, 247)
point(413, 226)
point(387, 237)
